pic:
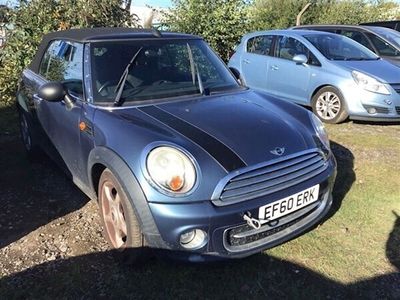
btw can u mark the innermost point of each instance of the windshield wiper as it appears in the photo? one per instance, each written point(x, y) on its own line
point(121, 83)
point(359, 58)
point(196, 73)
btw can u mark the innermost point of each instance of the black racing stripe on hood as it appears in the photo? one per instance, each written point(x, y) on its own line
point(224, 155)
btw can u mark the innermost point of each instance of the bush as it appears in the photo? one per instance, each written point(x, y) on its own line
point(271, 14)
point(32, 19)
point(221, 23)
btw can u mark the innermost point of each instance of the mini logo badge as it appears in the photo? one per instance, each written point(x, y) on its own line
point(278, 151)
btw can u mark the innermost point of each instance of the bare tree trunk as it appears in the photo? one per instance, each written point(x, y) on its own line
point(298, 19)
point(128, 4)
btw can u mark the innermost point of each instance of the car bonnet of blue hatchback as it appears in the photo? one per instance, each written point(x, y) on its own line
point(380, 69)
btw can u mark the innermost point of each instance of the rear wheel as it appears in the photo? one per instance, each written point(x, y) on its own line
point(31, 148)
point(328, 105)
point(120, 224)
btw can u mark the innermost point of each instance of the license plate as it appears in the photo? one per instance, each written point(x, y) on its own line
point(288, 205)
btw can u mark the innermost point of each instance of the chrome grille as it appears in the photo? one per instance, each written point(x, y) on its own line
point(244, 234)
point(398, 110)
point(273, 176)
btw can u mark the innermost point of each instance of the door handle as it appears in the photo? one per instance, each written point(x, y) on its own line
point(274, 67)
point(246, 61)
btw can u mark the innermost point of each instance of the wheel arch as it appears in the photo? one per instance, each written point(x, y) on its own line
point(316, 90)
point(101, 158)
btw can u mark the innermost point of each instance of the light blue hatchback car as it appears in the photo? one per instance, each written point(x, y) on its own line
point(335, 75)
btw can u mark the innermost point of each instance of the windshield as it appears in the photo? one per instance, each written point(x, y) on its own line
point(161, 69)
point(390, 35)
point(337, 47)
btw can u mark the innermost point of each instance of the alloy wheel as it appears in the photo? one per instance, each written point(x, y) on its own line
point(328, 105)
point(113, 214)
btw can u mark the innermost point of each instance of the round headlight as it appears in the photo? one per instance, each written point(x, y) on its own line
point(320, 130)
point(171, 169)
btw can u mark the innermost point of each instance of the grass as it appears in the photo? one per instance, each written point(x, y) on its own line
point(355, 237)
point(354, 253)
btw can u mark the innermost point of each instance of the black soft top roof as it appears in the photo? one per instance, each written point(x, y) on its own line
point(86, 35)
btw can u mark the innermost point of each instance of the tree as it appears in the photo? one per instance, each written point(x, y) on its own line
point(271, 14)
point(221, 23)
point(4, 14)
point(32, 19)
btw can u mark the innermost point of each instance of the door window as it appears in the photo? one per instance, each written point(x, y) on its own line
point(287, 48)
point(383, 48)
point(260, 44)
point(63, 61)
point(358, 37)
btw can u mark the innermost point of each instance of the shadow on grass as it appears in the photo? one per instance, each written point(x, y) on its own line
point(345, 175)
point(32, 194)
point(260, 276)
point(393, 244)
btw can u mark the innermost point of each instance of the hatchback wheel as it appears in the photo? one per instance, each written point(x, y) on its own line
point(120, 224)
point(328, 105)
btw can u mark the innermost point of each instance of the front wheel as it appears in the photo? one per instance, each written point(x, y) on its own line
point(120, 224)
point(328, 105)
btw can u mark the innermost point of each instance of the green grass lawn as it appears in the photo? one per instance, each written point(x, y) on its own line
point(354, 253)
point(351, 245)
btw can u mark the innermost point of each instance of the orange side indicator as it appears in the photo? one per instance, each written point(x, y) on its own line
point(82, 126)
point(176, 183)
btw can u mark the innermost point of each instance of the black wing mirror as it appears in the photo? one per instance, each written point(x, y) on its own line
point(55, 91)
point(52, 91)
point(237, 76)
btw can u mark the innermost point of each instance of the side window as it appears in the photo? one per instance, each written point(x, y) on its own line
point(63, 61)
point(287, 48)
point(358, 37)
point(381, 46)
point(260, 44)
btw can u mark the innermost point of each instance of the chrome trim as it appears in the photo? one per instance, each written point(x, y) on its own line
point(143, 160)
point(87, 74)
point(224, 181)
point(299, 226)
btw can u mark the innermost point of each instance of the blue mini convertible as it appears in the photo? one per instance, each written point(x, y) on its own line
point(178, 155)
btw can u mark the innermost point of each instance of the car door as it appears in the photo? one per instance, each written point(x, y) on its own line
point(255, 61)
point(63, 62)
point(288, 79)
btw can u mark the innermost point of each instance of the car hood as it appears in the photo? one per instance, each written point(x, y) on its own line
point(235, 129)
point(381, 69)
point(394, 60)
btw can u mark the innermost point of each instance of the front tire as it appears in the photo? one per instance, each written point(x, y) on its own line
point(328, 105)
point(120, 224)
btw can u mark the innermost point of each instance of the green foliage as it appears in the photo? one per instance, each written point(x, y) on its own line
point(4, 14)
point(271, 14)
point(221, 23)
point(354, 11)
point(32, 19)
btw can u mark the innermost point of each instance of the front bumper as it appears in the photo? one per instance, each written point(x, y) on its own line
point(367, 106)
point(222, 223)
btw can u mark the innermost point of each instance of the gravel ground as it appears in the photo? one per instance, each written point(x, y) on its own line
point(43, 216)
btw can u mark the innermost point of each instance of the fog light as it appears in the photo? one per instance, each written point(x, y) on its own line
point(371, 110)
point(193, 239)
